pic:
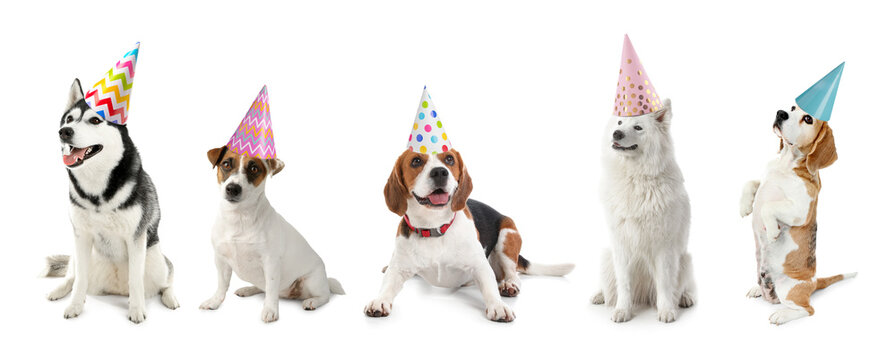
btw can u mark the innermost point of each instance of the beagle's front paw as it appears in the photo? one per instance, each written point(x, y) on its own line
point(378, 308)
point(499, 312)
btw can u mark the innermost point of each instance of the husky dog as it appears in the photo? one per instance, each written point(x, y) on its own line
point(114, 213)
point(649, 215)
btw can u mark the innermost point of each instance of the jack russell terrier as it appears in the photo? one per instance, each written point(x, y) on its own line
point(255, 242)
point(448, 240)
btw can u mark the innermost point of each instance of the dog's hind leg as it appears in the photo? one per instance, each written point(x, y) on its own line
point(248, 291)
point(686, 282)
point(62, 290)
point(796, 300)
point(313, 289)
point(504, 257)
point(167, 292)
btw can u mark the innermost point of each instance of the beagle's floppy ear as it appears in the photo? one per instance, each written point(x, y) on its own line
point(464, 185)
point(823, 152)
point(396, 192)
point(275, 165)
point(215, 155)
point(75, 94)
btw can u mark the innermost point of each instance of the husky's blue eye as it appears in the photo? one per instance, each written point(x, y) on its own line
point(638, 128)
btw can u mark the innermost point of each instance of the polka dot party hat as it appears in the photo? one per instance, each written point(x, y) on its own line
point(635, 94)
point(255, 137)
point(110, 97)
point(428, 135)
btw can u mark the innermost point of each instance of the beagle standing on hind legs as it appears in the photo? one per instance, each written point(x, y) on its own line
point(443, 237)
point(785, 202)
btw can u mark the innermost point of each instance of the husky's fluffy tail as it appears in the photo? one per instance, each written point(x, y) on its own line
point(335, 287)
point(57, 266)
point(530, 268)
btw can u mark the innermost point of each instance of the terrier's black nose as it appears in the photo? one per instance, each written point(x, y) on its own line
point(618, 135)
point(439, 176)
point(781, 116)
point(233, 190)
point(66, 133)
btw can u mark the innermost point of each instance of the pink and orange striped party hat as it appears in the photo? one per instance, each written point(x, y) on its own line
point(255, 137)
point(635, 94)
point(110, 97)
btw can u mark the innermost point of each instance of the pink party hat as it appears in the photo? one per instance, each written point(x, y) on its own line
point(255, 137)
point(635, 94)
point(428, 135)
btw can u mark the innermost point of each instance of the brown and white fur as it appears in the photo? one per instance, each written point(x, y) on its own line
point(251, 239)
point(431, 190)
point(784, 205)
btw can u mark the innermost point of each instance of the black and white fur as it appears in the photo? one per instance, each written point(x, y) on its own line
point(115, 216)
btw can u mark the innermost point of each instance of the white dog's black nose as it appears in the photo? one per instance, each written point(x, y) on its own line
point(66, 133)
point(233, 190)
point(439, 176)
point(618, 135)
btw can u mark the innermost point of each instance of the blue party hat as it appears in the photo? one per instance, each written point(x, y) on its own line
point(818, 100)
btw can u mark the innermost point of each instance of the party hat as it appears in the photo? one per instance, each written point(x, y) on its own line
point(635, 94)
point(255, 137)
point(428, 135)
point(818, 100)
point(110, 97)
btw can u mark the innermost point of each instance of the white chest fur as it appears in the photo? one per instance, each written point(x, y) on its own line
point(445, 261)
point(108, 230)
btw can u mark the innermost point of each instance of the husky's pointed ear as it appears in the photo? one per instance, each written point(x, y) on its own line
point(75, 94)
point(275, 165)
point(664, 115)
point(215, 155)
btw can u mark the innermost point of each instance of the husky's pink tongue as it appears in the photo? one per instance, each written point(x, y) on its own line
point(76, 155)
point(438, 199)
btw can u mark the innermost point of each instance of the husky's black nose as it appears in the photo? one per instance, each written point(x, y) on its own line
point(66, 133)
point(439, 176)
point(233, 190)
point(618, 135)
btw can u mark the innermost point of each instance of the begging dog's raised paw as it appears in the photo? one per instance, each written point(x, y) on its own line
point(598, 298)
point(73, 310)
point(666, 315)
point(499, 312)
point(754, 292)
point(378, 308)
point(621, 315)
point(269, 315)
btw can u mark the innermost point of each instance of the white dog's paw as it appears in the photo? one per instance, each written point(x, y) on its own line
point(754, 292)
point(59, 293)
point(687, 300)
point(509, 288)
point(378, 308)
point(499, 312)
point(784, 315)
point(621, 315)
point(666, 315)
point(248, 291)
point(212, 303)
point(269, 315)
point(73, 310)
point(169, 300)
point(311, 304)
point(598, 298)
point(136, 314)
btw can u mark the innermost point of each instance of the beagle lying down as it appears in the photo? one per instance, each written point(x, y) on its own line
point(448, 240)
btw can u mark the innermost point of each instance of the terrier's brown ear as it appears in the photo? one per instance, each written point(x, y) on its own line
point(215, 155)
point(823, 152)
point(275, 165)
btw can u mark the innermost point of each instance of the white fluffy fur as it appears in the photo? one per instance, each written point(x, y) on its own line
point(648, 213)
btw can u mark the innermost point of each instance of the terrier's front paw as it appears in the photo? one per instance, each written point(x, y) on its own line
point(499, 312)
point(509, 288)
point(269, 314)
point(598, 298)
point(212, 303)
point(621, 315)
point(136, 314)
point(73, 310)
point(378, 308)
point(754, 292)
point(666, 315)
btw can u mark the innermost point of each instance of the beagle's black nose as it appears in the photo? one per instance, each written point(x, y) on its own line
point(618, 135)
point(66, 133)
point(233, 190)
point(439, 176)
point(781, 116)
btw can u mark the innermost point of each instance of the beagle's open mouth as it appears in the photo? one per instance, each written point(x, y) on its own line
point(76, 156)
point(616, 146)
point(436, 198)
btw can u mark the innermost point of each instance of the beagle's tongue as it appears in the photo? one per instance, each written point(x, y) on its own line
point(438, 199)
point(71, 159)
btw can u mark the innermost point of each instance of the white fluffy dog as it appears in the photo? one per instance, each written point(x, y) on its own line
point(649, 215)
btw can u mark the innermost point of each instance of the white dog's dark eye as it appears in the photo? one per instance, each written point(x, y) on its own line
point(638, 128)
point(95, 121)
point(416, 162)
point(807, 119)
point(449, 160)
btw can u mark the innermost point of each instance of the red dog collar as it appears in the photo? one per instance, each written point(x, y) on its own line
point(434, 232)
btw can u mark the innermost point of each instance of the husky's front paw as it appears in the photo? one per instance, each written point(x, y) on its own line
point(666, 315)
point(598, 298)
point(136, 314)
point(621, 315)
point(212, 303)
point(269, 314)
point(499, 312)
point(73, 310)
point(378, 308)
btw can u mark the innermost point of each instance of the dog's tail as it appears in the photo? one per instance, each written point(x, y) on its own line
point(530, 268)
point(335, 287)
point(821, 283)
point(57, 265)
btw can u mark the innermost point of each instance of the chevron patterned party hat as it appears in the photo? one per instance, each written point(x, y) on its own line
point(110, 97)
point(255, 137)
point(635, 94)
point(428, 135)
point(818, 100)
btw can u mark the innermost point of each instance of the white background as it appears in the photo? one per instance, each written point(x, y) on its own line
point(524, 90)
